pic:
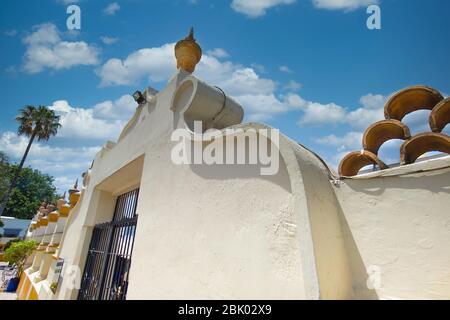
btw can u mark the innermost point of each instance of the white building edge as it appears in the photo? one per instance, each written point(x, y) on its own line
point(227, 232)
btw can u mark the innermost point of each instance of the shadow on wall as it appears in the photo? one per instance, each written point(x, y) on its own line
point(261, 164)
point(360, 276)
point(242, 172)
point(376, 187)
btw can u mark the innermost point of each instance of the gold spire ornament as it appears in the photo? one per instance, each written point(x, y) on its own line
point(188, 53)
point(74, 188)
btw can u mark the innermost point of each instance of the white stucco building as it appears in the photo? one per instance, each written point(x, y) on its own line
point(146, 226)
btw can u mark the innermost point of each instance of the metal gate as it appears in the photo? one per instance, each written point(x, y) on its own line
point(108, 261)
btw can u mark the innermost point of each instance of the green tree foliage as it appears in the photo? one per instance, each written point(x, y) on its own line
point(31, 189)
point(39, 123)
point(18, 253)
point(4, 183)
point(10, 242)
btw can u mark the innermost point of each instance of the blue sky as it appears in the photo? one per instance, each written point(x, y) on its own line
point(308, 67)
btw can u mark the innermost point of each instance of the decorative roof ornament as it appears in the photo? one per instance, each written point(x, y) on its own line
point(403, 102)
point(188, 53)
point(61, 201)
point(74, 189)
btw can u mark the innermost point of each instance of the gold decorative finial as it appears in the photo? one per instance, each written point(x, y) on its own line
point(74, 188)
point(188, 53)
point(191, 35)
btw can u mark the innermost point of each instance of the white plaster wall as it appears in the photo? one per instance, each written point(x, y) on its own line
point(213, 232)
point(400, 224)
point(91, 207)
point(57, 234)
point(207, 231)
point(327, 238)
point(228, 232)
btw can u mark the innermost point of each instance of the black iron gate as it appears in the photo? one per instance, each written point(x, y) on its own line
point(105, 274)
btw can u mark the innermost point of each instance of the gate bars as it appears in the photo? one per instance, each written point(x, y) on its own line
point(109, 257)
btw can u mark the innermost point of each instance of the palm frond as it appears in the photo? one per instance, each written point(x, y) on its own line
point(47, 123)
point(42, 121)
point(26, 120)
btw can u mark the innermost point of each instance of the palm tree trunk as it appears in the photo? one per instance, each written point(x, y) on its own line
point(16, 175)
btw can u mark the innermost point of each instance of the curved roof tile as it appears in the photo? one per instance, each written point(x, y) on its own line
point(440, 116)
point(382, 131)
point(422, 143)
point(354, 161)
point(411, 99)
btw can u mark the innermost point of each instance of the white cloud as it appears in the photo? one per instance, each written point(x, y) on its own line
point(258, 67)
point(314, 113)
point(109, 40)
point(111, 9)
point(257, 94)
point(372, 110)
point(120, 109)
point(46, 33)
point(351, 140)
point(389, 152)
point(285, 69)
point(254, 9)
point(102, 122)
point(318, 114)
point(91, 126)
point(293, 85)
point(65, 163)
point(15, 146)
point(417, 121)
point(65, 182)
point(257, 8)
point(157, 64)
point(218, 53)
point(239, 81)
point(81, 123)
point(347, 5)
point(373, 101)
point(11, 33)
point(46, 49)
point(261, 107)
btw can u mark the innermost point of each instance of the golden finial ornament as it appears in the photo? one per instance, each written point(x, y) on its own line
point(188, 53)
point(74, 188)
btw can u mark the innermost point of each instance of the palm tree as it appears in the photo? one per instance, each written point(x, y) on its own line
point(40, 123)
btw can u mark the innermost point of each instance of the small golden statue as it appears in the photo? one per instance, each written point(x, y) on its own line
point(188, 53)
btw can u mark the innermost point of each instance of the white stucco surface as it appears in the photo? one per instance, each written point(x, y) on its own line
point(228, 232)
point(398, 222)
